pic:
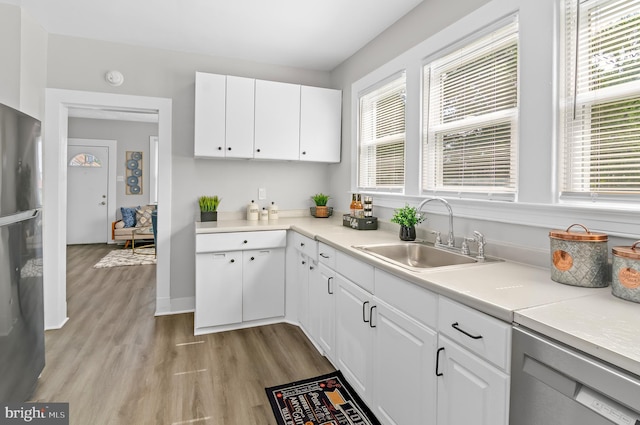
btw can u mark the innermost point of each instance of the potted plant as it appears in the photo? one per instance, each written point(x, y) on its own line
point(321, 200)
point(209, 207)
point(407, 217)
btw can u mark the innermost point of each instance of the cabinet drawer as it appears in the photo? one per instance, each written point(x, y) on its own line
point(419, 303)
point(357, 271)
point(327, 255)
point(481, 334)
point(215, 242)
point(306, 245)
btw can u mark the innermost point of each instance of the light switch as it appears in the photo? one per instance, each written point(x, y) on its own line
point(262, 193)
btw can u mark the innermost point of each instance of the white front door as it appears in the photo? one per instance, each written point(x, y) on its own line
point(87, 191)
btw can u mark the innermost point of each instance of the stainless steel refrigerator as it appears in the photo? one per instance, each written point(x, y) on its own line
point(21, 299)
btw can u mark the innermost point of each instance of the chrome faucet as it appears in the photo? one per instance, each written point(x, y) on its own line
point(451, 241)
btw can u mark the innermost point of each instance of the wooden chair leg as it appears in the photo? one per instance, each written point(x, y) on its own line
point(126, 244)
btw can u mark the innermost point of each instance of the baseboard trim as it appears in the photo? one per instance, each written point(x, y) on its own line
point(169, 306)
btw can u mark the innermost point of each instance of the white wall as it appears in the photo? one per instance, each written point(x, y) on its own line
point(23, 43)
point(516, 230)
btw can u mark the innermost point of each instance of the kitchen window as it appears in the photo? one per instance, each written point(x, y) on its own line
point(600, 150)
point(470, 102)
point(381, 137)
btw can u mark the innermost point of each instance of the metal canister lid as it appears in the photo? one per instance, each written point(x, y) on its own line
point(588, 236)
point(632, 251)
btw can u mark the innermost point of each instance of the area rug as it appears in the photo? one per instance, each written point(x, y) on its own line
point(323, 400)
point(124, 257)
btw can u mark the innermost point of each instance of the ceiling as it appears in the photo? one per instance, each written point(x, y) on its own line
point(309, 34)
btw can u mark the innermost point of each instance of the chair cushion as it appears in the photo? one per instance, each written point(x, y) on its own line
point(129, 216)
point(143, 216)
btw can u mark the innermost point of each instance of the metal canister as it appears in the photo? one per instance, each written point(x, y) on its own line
point(579, 258)
point(625, 279)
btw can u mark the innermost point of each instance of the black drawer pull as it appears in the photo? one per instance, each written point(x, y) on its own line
point(371, 325)
point(329, 285)
point(438, 373)
point(323, 255)
point(364, 309)
point(457, 327)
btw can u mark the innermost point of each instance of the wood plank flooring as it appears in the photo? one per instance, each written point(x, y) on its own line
point(115, 363)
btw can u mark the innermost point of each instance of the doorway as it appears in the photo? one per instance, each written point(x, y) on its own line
point(57, 105)
point(90, 190)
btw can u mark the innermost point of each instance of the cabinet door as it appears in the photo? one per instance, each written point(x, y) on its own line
point(218, 288)
point(277, 120)
point(320, 119)
point(404, 369)
point(303, 289)
point(470, 390)
point(263, 284)
point(354, 336)
point(322, 308)
point(209, 127)
point(240, 117)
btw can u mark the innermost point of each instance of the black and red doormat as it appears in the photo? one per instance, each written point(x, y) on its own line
point(323, 400)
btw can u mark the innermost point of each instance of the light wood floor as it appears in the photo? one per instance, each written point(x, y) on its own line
point(115, 363)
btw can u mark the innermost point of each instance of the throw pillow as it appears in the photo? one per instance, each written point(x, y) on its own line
point(129, 216)
point(143, 216)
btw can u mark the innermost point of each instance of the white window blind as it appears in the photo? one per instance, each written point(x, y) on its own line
point(601, 141)
point(470, 103)
point(381, 143)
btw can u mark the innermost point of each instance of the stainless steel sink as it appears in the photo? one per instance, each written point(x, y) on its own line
point(416, 255)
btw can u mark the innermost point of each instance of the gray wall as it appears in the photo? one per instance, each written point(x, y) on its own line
point(80, 64)
point(131, 136)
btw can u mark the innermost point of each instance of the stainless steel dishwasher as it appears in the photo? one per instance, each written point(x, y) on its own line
point(552, 384)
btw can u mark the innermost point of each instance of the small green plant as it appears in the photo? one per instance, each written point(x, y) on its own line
point(209, 203)
point(407, 216)
point(320, 199)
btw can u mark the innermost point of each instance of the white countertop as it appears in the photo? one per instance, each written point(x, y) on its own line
point(589, 319)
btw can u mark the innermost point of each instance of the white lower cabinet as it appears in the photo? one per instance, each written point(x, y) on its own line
point(322, 309)
point(218, 288)
point(473, 365)
point(404, 362)
point(354, 336)
point(262, 284)
point(470, 390)
point(238, 285)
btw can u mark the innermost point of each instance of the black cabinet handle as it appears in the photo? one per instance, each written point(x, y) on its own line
point(457, 327)
point(304, 262)
point(304, 153)
point(245, 241)
point(310, 267)
point(232, 261)
point(323, 255)
point(252, 258)
point(219, 148)
point(329, 285)
point(229, 148)
point(438, 361)
point(371, 325)
point(301, 243)
point(364, 309)
point(257, 150)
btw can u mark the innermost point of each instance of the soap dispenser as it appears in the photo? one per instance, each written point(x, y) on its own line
point(252, 211)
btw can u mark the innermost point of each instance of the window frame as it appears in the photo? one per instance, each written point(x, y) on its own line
point(572, 100)
point(358, 101)
point(429, 163)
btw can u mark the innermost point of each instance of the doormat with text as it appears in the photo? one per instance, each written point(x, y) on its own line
point(323, 400)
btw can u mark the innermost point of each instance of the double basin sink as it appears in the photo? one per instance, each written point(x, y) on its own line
point(419, 256)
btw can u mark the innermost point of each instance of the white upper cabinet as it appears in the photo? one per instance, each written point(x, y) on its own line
point(320, 124)
point(209, 131)
point(237, 117)
point(240, 117)
point(277, 121)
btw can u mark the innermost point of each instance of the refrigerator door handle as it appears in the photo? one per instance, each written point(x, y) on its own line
point(18, 217)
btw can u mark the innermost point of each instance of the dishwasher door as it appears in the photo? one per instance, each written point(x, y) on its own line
point(552, 384)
